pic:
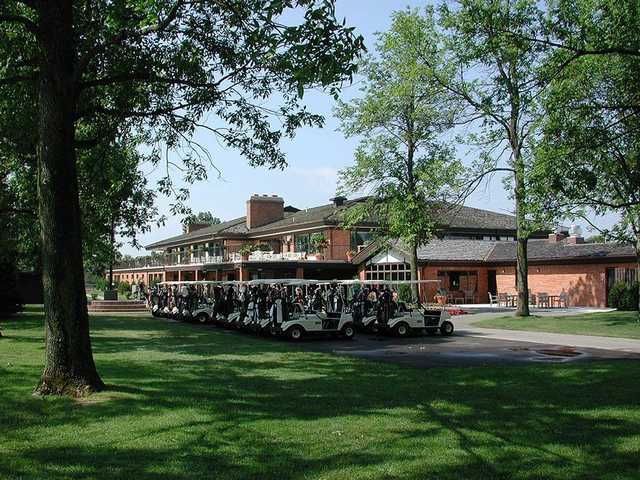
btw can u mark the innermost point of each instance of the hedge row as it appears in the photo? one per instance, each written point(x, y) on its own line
point(623, 296)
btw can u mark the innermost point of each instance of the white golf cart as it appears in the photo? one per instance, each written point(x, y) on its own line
point(296, 320)
point(200, 308)
point(398, 318)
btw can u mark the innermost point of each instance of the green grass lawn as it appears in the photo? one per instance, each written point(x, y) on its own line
point(192, 402)
point(609, 324)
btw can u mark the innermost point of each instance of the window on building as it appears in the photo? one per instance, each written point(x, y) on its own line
point(301, 242)
point(360, 238)
point(388, 271)
point(459, 280)
point(214, 249)
point(625, 275)
point(454, 280)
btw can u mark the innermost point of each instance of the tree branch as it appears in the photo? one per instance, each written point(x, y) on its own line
point(16, 79)
point(16, 211)
point(160, 26)
point(24, 21)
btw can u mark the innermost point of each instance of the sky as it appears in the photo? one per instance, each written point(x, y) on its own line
point(314, 156)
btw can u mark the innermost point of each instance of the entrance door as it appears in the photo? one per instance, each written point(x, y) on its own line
point(492, 283)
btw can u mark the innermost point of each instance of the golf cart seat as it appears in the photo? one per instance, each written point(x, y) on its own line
point(432, 318)
point(334, 315)
point(402, 307)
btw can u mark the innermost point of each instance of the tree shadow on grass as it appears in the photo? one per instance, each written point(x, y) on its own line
point(191, 403)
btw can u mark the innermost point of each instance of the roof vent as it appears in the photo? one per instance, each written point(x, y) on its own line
point(338, 200)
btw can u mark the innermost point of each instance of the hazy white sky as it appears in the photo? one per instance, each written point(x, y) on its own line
point(314, 155)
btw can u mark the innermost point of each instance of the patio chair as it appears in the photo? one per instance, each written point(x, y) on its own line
point(503, 300)
point(543, 300)
point(563, 300)
point(469, 296)
point(533, 299)
point(492, 300)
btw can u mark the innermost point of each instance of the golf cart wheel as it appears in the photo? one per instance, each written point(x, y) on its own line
point(202, 318)
point(403, 330)
point(295, 333)
point(348, 331)
point(446, 328)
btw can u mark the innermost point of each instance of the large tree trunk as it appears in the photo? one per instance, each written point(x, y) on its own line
point(415, 290)
point(638, 273)
point(522, 262)
point(69, 366)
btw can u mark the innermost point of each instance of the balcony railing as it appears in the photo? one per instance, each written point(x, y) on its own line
point(202, 257)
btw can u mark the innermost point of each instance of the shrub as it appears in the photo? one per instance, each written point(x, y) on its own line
point(264, 247)
point(10, 300)
point(124, 288)
point(318, 243)
point(101, 283)
point(247, 249)
point(623, 296)
point(404, 293)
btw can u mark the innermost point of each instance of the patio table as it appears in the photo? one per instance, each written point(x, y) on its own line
point(554, 301)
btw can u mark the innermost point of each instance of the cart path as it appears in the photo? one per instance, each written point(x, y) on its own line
point(464, 326)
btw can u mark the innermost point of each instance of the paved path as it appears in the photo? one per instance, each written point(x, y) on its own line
point(464, 325)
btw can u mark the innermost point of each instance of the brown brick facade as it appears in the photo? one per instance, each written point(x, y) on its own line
point(339, 243)
point(586, 284)
point(264, 209)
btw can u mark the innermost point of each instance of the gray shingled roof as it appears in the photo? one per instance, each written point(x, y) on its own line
point(459, 217)
point(456, 250)
point(452, 250)
point(227, 226)
point(475, 218)
point(542, 250)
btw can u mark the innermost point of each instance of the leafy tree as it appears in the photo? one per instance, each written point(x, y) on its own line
point(492, 66)
point(160, 65)
point(408, 172)
point(588, 159)
point(205, 218)
point(582, 28)
point(115, 200)
point(10, 301)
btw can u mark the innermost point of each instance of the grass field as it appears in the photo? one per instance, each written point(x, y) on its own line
point(192, 402)
point(609, 324)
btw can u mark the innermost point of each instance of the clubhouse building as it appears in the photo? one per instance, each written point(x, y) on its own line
point(474, 255)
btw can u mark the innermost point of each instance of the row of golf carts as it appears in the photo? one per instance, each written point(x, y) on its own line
point(295, 308)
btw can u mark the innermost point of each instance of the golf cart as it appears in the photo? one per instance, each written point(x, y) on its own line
point(295, 320)
point(203, 309)
point(377, 309)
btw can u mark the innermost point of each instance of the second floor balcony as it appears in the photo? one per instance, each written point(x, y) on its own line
point(204, 257)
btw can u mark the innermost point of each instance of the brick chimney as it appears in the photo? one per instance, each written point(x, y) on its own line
point(263, 209)
point(556, 237)
point(575, 235)
point(192, 227)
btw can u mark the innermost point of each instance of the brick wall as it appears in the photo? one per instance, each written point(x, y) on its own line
point(339, 243)
point(431, 273)
point(586, 284)
point(263, 209)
